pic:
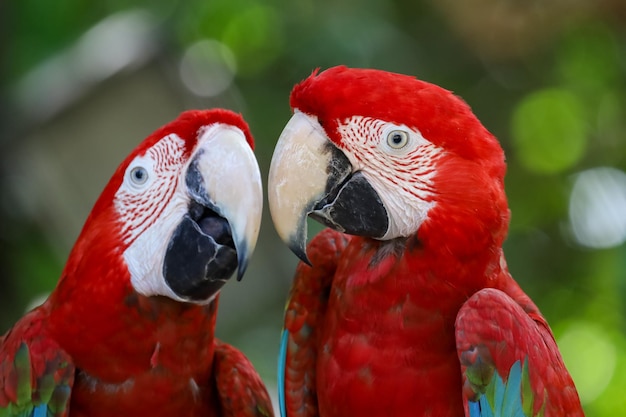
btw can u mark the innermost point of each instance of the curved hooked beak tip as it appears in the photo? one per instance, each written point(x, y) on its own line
point(297, 179)
point(310, 176)
point(219, 231)
point(232, 183)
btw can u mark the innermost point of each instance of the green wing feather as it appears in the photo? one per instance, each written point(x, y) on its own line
point(36, 374)
point(509, 397)
point(509, 360)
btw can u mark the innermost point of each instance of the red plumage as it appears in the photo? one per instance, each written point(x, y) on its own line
point(130, 353)
point(401, 325)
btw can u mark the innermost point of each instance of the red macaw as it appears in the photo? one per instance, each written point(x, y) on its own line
point(129, 328)
point(408, 308)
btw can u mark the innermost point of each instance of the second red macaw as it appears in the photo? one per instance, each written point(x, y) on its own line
point(129, 328)
point(408, 308)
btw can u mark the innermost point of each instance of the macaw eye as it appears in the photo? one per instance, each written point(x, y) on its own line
point(139, 175)
point(397, 139)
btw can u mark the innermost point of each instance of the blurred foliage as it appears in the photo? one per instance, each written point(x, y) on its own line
point(549, 130)
point(547, 78)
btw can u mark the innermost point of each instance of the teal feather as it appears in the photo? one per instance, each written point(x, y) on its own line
point(282, 364)
point(40, 411)
point(504, 399)
point(48, 398)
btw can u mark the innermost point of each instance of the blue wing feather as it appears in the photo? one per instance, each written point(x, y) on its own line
point(41, 379)
point(513, 404)
point(282, 360)
point(40, 411)
point(480, 408)
point(506, 400)
point(474, 408)
point(498, 398)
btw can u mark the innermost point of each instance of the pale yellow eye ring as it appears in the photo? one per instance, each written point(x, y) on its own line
point(397, 139)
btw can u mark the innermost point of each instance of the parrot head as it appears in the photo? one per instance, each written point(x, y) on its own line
point(183, 210)
point(381, 155)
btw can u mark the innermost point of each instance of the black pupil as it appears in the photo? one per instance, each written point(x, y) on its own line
point(139, 174)
point(397, 138)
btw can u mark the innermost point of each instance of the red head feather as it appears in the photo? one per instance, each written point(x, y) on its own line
point(443, 118)
point(96, 287)
point(186, 126)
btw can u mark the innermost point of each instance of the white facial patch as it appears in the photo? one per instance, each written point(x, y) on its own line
point(399, 163)
point(141, 201)
point(154, 198)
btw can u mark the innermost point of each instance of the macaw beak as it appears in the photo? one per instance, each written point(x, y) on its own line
point(219, 231)
point(310, 176)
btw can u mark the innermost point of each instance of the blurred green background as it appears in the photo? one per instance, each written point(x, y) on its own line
point(83, 82)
